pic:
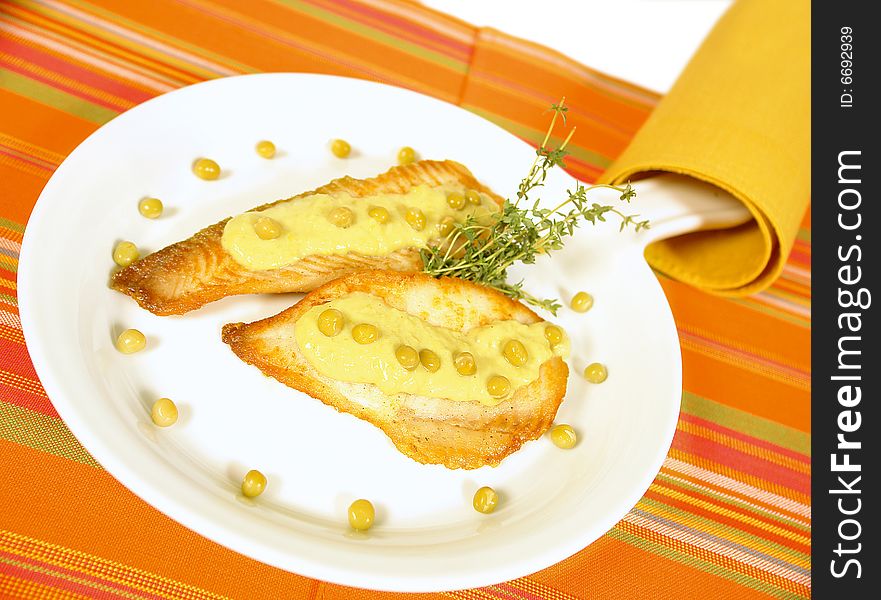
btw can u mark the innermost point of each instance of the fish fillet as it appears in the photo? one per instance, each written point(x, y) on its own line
point(189, 274)
point(455, 434)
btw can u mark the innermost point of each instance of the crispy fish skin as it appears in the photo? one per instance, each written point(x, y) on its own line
point(189, 274)
point(458, 435)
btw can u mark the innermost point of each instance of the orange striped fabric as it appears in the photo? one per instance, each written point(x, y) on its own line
point(729, 514)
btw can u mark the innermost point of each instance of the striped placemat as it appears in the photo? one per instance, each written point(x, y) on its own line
point(727, 517)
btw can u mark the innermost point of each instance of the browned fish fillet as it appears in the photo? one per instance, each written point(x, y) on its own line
point(189, 274)
point(455, 434)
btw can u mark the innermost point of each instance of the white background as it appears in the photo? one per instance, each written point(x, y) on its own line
point(646, 42)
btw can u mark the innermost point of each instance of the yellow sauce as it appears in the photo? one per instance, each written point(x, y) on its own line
point(342, 358)
point(307, 230)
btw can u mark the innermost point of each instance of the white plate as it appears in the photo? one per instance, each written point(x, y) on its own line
point(427, 536)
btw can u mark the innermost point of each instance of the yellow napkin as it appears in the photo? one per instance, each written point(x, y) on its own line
point(738, 117)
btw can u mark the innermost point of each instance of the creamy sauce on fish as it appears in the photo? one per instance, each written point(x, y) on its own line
point(342, 358)
point(307, 228)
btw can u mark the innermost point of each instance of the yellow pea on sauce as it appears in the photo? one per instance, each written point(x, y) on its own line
point(342, 358)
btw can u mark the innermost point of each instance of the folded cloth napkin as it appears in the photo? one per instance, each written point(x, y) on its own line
point(738, 117)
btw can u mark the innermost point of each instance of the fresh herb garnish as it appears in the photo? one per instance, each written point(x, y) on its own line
point(483, 251)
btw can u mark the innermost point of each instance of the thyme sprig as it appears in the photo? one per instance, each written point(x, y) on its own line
point(482, 249)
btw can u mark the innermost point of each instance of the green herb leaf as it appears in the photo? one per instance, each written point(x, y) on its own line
point(482, 252)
